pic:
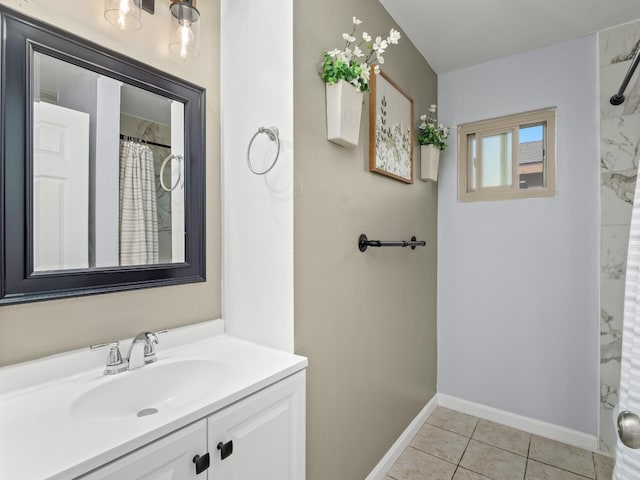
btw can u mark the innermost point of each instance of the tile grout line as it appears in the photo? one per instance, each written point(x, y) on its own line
point(456, 465)
point(526, 464)
point(430, 454)
point(433, 454)
point(465, 450)
point(500, 448)
point(445, 428)
point(491, 478)
point(478, 473)
point(452, 431)
point(563, 469)
point(455, 471)
point(475, 428)
point(468, 442)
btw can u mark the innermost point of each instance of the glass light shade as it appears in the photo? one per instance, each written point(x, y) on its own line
point(124, 14)
point(185, 29)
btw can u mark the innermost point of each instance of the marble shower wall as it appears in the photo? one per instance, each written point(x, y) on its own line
point(619, 150)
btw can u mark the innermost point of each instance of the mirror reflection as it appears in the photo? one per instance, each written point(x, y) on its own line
point(108, 171)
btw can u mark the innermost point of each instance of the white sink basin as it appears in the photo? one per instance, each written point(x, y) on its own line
point(149, 390)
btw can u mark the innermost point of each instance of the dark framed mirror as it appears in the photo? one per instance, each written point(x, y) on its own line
point(102, 168)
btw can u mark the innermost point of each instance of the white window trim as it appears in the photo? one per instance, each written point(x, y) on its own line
point(502, 125)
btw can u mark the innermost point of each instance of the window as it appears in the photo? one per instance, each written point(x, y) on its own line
point(507, 157)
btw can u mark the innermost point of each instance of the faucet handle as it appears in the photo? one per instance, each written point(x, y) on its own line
point(150, 345)
point(151, 340)
point(115, 363)
point(115, 357)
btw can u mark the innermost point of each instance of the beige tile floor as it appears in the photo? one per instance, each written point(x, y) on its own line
point(452, 445)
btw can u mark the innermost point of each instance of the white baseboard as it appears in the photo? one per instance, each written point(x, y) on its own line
point(383, 466)
point(537, 427)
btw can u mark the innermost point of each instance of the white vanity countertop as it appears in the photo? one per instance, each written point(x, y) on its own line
point(40, 437)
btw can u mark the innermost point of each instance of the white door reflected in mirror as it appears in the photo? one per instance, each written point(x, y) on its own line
point(61, 188)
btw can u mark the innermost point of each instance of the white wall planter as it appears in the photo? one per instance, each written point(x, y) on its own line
point(344, 109)
point(429, 159)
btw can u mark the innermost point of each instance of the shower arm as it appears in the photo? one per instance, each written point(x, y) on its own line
point(618, 98)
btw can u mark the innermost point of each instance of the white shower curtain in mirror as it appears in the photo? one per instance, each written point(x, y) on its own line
point(138, 210)
point(628, 460)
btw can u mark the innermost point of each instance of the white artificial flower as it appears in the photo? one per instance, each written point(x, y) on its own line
point(355, 83)
point(334, 53)
point(379, 45)
point(347, 52)
point(356, 21)
point(376, 69)
point(379, 58)
point(357, 52)
point(393, 37)
point(366, 37)
point(423, 118)
point(423, 125)
point(432, 109)
point(365, 74)
point(430, 125)
point(348, 37)
point(342, 57)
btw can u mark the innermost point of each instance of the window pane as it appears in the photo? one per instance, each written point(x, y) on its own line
point(508, 157)
point(496, 160)
point(531, 156)
point(472, 169)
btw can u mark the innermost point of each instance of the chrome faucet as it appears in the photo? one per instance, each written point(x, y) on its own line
point(142, 350)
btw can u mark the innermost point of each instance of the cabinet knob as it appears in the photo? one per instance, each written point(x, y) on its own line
point(202, 463)
point(226, 449)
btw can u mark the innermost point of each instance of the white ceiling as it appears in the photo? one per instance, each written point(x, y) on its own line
point(453, 34)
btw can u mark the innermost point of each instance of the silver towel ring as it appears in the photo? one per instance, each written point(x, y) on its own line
point(272, 133)
point(164, 164)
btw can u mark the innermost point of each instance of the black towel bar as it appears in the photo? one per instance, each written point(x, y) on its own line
point(364, 242)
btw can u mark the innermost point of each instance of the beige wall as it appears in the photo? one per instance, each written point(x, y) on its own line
point(37, 329)
point(367, 321)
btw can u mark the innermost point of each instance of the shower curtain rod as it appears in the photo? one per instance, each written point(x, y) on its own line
point(140, 140)
point(618, 98)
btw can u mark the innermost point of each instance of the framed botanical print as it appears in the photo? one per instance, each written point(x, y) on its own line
point(390, 129)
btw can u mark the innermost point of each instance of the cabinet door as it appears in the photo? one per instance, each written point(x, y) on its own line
point(170, 458)
point(268, 434)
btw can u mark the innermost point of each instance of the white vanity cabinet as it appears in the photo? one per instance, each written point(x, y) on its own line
point(266, 432)
point(260, 437)
point(170, 458)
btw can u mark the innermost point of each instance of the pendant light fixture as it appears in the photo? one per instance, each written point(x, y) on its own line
point(185, 28)
point(185, 22)
point(124, 14)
